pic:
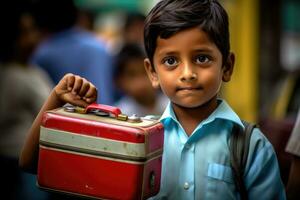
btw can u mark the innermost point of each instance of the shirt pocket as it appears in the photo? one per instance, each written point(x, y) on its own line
point(220, 182)
point(220, 172)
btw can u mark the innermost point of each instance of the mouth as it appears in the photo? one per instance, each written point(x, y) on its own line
point(189, 88)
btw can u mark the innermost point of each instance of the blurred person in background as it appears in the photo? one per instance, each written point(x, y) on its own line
point(69, 48)
point(133, 28)
point(86, 19)
point(118, 28)
point(23, 89)
point(293, 147)
point(139, 97)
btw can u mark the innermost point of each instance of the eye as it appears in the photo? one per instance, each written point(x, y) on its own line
point(170, 61)
point(201, 59)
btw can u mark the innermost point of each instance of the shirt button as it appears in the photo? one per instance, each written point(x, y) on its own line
point(186, 186)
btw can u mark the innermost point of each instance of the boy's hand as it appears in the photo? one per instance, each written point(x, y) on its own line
point(75, 90)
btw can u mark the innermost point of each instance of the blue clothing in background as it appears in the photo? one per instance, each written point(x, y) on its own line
point(198, 167)
point(79, 52)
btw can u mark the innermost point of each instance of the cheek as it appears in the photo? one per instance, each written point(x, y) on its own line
point(212, 80)
point(167, 84)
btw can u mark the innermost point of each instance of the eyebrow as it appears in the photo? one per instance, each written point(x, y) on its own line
point(196, 50)
point(167, 52)
point(203, 49)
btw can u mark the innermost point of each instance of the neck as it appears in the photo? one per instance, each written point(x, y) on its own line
point(189, 118)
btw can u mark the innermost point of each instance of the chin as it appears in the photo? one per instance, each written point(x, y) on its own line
point(195, 103)
point(188, 104)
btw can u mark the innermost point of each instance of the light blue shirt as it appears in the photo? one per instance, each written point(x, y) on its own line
point(198, 167)
point(79, 52)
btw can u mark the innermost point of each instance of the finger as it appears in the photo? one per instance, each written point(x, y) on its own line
point(80, 103)
point(77, 85)
point(91, 99)
point(84, 88)
point(70, 81)
point(91, 94)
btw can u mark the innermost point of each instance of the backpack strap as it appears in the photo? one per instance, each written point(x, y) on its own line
point(239, 148)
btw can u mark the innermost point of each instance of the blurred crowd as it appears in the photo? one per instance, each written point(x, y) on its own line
point(41, 40)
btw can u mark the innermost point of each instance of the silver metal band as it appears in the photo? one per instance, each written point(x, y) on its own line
point(97, 146)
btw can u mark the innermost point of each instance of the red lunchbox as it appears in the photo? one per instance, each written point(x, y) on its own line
point(104, 155)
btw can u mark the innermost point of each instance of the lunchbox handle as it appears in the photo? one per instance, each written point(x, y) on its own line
point(104, 108)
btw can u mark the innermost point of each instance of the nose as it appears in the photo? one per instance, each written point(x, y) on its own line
point(188, 73)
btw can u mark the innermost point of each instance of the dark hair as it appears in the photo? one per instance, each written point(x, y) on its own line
point(128, 52)
point(168, 17)
point(55, 15)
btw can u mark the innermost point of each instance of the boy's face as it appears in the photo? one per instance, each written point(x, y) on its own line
point(188, 68)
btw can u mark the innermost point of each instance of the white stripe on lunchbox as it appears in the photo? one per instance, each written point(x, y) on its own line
point(90, 144)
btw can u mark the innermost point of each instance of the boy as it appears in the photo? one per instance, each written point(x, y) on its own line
point(187, 43)
point(139, 97)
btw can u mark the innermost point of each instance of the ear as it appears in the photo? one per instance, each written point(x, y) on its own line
point(152, 75)
point(228, 68)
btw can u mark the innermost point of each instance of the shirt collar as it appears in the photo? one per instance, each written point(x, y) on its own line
point(223, 111)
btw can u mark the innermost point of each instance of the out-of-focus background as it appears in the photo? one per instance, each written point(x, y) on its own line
point(102, 40)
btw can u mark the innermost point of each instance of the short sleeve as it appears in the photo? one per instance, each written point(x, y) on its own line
point(263, 180)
